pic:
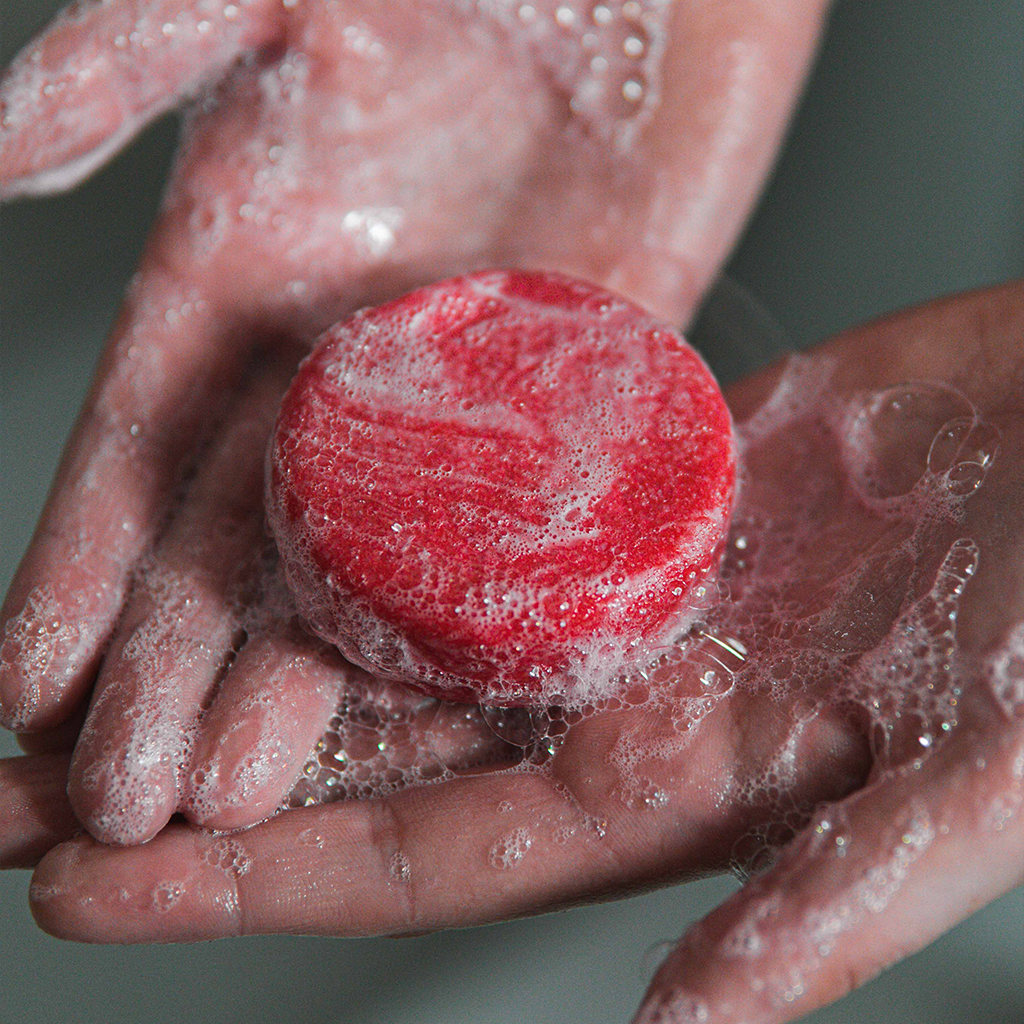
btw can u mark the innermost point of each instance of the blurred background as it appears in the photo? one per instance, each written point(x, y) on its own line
point(902, 179)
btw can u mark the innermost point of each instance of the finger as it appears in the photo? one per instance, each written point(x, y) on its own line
point(474, 849)
point(35, 814)
point(177, 635)
point(869, 882)
point(272, 707)
point(294, 724)
point(415, 862)
point(100, 71)
point(61, 739)
point(728, 82)
point(162, 382)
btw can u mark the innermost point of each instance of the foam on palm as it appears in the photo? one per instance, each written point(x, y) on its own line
point(839, 589)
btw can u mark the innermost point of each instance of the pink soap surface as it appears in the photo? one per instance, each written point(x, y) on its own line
point(502, 488)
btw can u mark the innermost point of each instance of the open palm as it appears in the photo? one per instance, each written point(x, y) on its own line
point(874, 694)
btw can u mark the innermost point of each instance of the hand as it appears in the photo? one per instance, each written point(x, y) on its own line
point(334, 156)
point(938, 830)
point(703, 770)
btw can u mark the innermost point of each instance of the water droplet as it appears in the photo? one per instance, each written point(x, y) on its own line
point(964, 479)
point(565, 16)
point(632, 90)
point(310, 837)
point(166, 895)
point(633, 46)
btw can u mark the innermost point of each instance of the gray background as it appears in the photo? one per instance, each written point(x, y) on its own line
point(902, 180)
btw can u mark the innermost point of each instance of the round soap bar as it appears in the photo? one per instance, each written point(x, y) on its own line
point(501, 488)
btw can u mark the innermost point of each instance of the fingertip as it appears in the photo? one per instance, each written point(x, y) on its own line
point(51, 638)
point(20, 690)
point(242, 773)
point(57, 739)
point(869, 881)
point(43, 716)
point(50, 893)
point(124, 807)
point(179, 888)
point(17, 705)
point(272, 707)
point(97, 74)
point(249, 795)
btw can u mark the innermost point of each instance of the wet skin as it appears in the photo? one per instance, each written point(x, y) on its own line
point(949, 806)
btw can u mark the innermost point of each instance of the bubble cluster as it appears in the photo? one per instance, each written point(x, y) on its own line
point(399, 868)
point(839, 592)
point(41, 641)
point(367, 751)
point(606, 56)
point(774, 930)
point(228, 855)
point(1005, 673)
point(383, 738)
point(141, 764)
point(676, 1007)
point(508, 851)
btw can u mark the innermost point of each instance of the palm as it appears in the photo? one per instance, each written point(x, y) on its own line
point(353, 154)
point(643, 792)
point(356, 157)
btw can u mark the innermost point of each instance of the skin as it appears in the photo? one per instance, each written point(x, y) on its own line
point(344, 884)
point(970, 342)
point(212, 326)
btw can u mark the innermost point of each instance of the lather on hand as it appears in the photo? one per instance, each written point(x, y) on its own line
point(335, 156)
point(905, 840)
point(967, 790)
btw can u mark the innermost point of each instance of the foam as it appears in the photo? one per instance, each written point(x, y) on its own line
point(1004, 673)
point(769, 932)
point(681, 1007)
point(228, 855)
point(806, 643)
point(509, 851)
point(606, 56)
point(145, 768)
point(400, 868)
